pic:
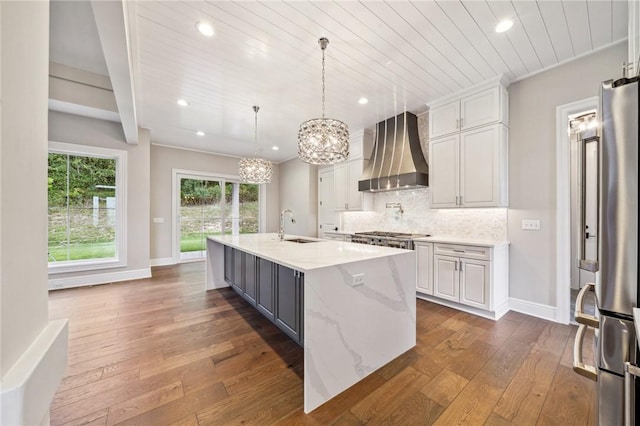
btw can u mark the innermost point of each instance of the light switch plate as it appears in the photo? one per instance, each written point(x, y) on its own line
point(531, 224)
point(158, 220)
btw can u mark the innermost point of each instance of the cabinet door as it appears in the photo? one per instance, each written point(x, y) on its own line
point(480, 167)
point(424, 257)
point(354, 199)
point(250, 278)
point(444, 119)
point(228, 265)
point(474, 283)
point(238, 278)
point(480, 109)
point(266, 288)
point(341, 177)
point(446, 277)
point(444, 162)
point(287, 312)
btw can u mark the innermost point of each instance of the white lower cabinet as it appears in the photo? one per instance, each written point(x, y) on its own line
point(424, 253)
point(465, 276)
point(474, 283)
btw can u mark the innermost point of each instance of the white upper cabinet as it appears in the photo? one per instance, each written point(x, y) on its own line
point(445, 171)
point(483, 167)
point(445, 119)
point(472, 110)
point(468, 154)
point(469, 169)
point(346, 177)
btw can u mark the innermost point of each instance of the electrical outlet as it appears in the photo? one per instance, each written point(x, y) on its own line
point(358, 279)
point(531, 224)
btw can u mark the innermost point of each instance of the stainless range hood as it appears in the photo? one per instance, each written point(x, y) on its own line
point(397, 161)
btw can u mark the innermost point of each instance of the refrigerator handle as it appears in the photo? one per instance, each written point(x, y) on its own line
point(629, 371)
point(580, 316)
point(586, 370)
point(585, 264)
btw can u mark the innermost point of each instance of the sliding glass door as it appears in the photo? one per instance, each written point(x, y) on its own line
point(201, 212)
point(210, 206)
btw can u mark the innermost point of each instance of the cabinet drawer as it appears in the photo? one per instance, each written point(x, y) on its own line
point(469, 252)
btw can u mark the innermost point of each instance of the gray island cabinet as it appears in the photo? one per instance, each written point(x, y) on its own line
point(275, 290)
point(352, 307)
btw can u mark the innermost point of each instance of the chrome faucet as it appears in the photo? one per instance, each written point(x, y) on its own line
point(293, 220)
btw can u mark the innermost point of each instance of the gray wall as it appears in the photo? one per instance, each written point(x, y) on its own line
point(90, 131)
point(24, 46)
point(299, 192)
point(532, 165)
point(163, 161)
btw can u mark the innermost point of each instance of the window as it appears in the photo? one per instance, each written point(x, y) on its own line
point(86, 207)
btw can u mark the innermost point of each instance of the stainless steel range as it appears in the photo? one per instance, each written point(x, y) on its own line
point(387, 239)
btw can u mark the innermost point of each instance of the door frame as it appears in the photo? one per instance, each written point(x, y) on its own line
point(563, 203)
point(177, 174)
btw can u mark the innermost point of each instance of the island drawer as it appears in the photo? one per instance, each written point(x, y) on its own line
point(459, 250)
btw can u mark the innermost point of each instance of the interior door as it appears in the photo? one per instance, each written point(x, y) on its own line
point(328, 217)
point(591, 210)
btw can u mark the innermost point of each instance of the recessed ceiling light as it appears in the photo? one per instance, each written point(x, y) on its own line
point(363, 101)
point(205, 28)
point(275, 148)
point(504, 25)
point(182, 102)
point(200, 133)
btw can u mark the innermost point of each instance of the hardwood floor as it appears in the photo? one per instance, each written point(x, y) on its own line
point(163, 351)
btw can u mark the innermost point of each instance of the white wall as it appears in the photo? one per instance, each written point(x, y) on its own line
point(24, 48)
point(163, 161)
point(90, 131)
point(532, 165)
point(299, 192)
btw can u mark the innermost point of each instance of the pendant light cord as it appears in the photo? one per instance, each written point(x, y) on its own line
point(323, 83)
point(323, 42)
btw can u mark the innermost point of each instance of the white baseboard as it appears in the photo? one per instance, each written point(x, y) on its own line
point(162, 261)
point(534, 309)
point(468, 309)
point(28, 387)
point(93, 279)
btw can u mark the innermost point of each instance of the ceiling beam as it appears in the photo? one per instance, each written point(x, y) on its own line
point(111, 21)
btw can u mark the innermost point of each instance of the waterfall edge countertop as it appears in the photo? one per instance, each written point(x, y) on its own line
point(358, 309)
point(304, 256)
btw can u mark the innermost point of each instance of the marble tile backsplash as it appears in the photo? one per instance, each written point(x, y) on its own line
point(418, 217)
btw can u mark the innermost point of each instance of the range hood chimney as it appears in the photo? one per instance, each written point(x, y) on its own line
point(397, 161)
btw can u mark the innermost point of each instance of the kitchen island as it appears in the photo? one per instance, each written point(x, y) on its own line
point(358, 303)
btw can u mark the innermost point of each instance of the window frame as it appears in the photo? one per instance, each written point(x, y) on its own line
point(120, 259)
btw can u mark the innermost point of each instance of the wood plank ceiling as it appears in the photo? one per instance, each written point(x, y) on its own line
point(398, 54)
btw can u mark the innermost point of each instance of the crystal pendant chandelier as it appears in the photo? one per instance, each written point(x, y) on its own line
point(255, 169)
point(323, 140)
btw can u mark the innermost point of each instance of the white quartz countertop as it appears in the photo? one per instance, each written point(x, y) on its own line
point(305, 256)
point(461, 240)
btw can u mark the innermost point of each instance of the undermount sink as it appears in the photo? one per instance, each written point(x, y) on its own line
point(300, 240)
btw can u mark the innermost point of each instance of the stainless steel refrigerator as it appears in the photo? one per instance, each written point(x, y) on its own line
point(616, 291)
